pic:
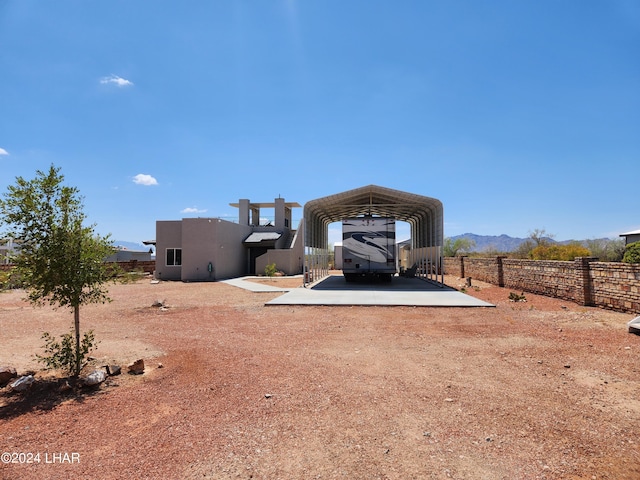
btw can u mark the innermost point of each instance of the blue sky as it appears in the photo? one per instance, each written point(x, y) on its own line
point(517, 115)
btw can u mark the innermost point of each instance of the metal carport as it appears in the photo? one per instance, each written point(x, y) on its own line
point(423, 214)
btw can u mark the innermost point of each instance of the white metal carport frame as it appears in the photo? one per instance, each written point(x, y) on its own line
point(423, 214)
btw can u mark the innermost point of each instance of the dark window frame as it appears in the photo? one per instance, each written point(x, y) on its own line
point(173, 257)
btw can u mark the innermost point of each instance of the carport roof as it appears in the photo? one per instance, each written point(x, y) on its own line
point(424, 214)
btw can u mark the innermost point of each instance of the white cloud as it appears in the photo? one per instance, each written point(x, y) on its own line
point(144, 179)
point(116, 80)
point(192, 210)
point(3, 152)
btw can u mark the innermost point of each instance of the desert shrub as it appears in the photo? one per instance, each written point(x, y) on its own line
point(131, 277)
point(9, 279)
point(270, 270)
point(632, 253)
point(523, 250)
point(606, 249)
point(514, 297)
point(559, 252)
point(5, 279)
point(63, 354)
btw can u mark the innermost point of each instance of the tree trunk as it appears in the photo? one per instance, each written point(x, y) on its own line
point(76, 319)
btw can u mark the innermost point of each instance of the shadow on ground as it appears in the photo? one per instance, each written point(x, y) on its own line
point(397, 284)
point(44, 395)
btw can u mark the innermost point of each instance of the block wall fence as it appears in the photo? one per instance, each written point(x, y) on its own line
point(148, 266)
point(614, 286)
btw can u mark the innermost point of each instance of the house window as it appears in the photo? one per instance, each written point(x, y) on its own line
point(174, 257)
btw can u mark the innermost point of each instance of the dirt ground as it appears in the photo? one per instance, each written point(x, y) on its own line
point(234, 389)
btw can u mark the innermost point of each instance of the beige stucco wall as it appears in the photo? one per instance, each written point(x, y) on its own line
point(213, 240)
point(168, 235)
point(219, 242)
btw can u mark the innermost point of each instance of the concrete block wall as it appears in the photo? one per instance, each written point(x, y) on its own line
point(454, 266)
point(550, 278)
point(610, 285)
point(147, 266)
point(616, 286)
point(484, 269)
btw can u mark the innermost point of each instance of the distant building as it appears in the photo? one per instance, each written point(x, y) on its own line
point(207, 249)
point(631, 237)
point(8, 248)
point(123, 254)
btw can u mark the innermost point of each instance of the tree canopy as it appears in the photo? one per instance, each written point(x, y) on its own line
point(632, 253)
point(60, 260)
point(453, 248)
point(559, 252)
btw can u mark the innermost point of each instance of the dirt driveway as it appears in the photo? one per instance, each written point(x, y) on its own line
point(542, 389)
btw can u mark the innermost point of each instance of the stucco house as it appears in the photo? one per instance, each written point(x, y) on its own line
point(208, 249)
point(631, 237)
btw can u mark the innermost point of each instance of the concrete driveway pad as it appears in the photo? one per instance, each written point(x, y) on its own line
point(334, 290)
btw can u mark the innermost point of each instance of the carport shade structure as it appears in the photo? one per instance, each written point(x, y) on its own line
point(423, 214)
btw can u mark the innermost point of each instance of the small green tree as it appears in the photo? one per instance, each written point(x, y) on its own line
point(537, 238)
point(540, 237)
point(60, 261)
point(606, 249)
point(270, 270)
point(524, 249)
point(632, 253)
point(452, 248)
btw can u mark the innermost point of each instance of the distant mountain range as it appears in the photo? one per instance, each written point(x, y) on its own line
point(501, 243)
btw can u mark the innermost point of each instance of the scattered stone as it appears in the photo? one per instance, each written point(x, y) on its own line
point(22, 384)
point(160, 365)
point(567, 366)
point(6, 374)
point(158, 303)
point(95, 378)
point(426, 434)
point(268, 395)
point(65, 387)
point(448, 399)
point(137, 367)
point(113, 370)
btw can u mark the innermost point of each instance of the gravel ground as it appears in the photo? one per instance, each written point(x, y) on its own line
point(542, 389)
